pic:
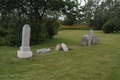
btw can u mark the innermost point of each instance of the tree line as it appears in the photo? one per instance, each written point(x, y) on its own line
point(97, 13)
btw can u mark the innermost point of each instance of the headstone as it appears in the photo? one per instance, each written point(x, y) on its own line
point(94, 37)
point(90, 34)
point(43, 51)
point(58, 47)
point(95, 40)
point(64, 47)
point(84, 42)
point(25, 50)
point(85, 37)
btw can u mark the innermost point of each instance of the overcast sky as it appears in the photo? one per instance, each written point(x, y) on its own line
point(82, 3)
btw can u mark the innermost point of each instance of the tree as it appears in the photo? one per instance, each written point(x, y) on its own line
point(98, 12)
point(42, 15)
point(73, 16)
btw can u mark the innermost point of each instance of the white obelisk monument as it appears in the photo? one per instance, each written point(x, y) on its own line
point(25, 50)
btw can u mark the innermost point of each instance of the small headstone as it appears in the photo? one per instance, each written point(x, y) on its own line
point(84, 42)
point(90, 34)
point(43, 51)
point(58, 47)
point(64, 47)
point(25, 50)
point(85, 37)
point(94, 37)
point(95, 40)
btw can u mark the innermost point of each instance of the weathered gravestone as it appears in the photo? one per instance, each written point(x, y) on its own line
point(43, 51)
point(58, 47)
point(64, 47)
point(87, 39)
point(90, 34)
point(95, 40)
point(25, 50)
point(61, 47)
point(84, 40)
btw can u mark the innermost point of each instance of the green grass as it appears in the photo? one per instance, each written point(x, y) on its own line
point(95, 62)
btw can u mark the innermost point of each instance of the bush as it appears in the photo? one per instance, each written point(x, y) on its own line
point(116, 22)
point(108, 27)
point(3, 41)
point(40, 32)
point(10, 37)
point(43, 32)
point(3, 32)
point(53, 28)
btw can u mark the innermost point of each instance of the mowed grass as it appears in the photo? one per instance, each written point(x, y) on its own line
point(95, 62)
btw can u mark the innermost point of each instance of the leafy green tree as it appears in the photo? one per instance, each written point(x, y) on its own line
point(42, 15)
point(98, 12)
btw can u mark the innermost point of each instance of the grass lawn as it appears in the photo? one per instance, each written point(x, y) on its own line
point(95, 62)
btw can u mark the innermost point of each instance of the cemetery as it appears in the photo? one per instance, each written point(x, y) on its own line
point(59, 40)
point(100, 61)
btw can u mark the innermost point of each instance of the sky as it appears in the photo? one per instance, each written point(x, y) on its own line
point(83, 3)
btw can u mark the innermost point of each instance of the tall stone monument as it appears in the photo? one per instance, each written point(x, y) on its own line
point(25, 50)
point(90, 34)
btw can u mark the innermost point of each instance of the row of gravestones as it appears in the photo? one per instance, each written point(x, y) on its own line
point(25, 50)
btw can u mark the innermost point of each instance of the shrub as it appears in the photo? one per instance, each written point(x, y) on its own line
point(53, 28)
point(3, 32)
point(108, 27)
point(3, 41)
point(40, 32)
point(43, 32)
point(10, 37)
point(116, 23)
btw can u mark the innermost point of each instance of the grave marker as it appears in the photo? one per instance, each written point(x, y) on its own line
point(90, 34)
point(64, 47)
point(25, 50)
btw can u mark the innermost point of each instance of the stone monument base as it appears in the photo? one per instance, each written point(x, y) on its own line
point(84, 42)
point(22, 54)
point(95, 40)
